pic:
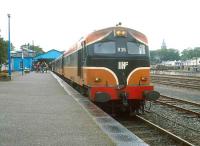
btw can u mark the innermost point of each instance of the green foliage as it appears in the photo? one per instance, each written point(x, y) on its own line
point(3, 50)
point(37, 49)
point(172, 54)
point(190, 53)
point(197, 52)
point(157, 56)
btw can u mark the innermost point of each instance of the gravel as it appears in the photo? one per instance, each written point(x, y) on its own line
point(178, 123)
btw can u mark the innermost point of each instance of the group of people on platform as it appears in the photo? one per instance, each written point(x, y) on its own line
point(41, 66)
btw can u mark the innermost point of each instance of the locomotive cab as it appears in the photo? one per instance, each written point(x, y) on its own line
point(121, 71)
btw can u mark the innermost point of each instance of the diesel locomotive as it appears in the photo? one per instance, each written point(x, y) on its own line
point(110, 65)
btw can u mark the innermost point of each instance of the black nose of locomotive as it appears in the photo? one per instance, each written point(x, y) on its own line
point(124, 97)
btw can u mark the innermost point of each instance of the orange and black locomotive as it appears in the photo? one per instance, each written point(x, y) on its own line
point(110, 66)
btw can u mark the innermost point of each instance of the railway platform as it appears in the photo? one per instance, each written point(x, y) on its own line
point(39, 109)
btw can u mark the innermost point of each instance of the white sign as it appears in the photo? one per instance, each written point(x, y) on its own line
point(122, 65)
point(121, 49)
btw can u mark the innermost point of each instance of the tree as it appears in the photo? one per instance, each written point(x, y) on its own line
point(37, 49)
point(3, 50)
point(197, 52)
point(157, 56)
point(186, 54)
point(190, 53)
point(171, 54)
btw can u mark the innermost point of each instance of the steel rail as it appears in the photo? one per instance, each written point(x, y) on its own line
point(182, 100)
point(173, 136)
point(177, 102)
point(177, 77)
point(193, 83)
point(177, 123)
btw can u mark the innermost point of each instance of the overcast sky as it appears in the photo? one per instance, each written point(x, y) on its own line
point(58, 24)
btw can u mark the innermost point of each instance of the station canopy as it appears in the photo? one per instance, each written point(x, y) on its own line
point(48, 56)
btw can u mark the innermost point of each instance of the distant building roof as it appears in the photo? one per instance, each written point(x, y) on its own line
point(26, 53)
point(50, 55)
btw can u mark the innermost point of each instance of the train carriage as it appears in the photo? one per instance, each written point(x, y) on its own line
point(110, 65)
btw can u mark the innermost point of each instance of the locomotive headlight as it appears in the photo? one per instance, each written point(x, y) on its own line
point(97, 80)
point(123, 33)
point(120, 33)
point(143, 78)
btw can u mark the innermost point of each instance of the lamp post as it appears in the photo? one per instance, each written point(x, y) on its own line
point(9, 47)
point(22, 63)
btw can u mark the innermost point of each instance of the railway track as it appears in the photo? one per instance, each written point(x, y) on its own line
point(180, 117)
point(158, 128)
point(151, 133)
point(188, 108)
point(181, 81)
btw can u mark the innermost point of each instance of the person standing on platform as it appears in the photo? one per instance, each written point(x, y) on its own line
point(44, 67)
point(37, 67)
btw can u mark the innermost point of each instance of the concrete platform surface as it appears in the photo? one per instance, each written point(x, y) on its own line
point(36, 111)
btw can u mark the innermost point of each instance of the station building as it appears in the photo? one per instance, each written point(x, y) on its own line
point(189, 65)
point(28, 58)
point(19, 58)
